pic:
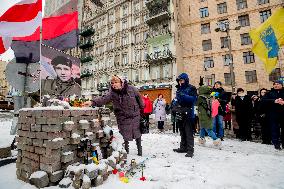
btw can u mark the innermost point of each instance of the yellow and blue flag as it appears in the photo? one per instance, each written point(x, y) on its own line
point(268, 38)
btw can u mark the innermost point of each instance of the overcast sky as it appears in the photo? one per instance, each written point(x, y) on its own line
point(5, 4)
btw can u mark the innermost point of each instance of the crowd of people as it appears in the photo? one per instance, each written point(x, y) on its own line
point(209, 107)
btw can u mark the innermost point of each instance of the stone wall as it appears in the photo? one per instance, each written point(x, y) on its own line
point(49, 139)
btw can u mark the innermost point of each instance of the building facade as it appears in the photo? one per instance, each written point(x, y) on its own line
point(204, 52)
point(125, 38)
point(4, 86)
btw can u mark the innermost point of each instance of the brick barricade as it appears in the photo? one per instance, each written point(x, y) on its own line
point(48, 139)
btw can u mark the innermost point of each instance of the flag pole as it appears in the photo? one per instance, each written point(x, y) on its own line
point(40, 59)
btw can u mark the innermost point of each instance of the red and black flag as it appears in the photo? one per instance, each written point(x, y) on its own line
point(59, 32)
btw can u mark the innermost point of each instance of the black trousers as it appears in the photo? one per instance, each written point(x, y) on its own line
point(146, 116)
point(186, 133)
point(161, 125)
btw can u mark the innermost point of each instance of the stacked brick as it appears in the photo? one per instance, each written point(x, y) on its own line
point(48, 139)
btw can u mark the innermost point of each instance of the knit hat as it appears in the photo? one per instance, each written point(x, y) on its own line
point(218, 82)
point(278, 81)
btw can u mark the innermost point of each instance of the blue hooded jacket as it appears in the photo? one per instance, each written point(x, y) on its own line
point(186, 94)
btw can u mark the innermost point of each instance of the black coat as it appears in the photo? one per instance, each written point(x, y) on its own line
point(272, 108)
point(223, 99)
point(243, 109)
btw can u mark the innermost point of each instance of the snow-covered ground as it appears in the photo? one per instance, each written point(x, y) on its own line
point(238, 165)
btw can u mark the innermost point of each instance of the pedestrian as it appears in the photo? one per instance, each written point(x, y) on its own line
point(255, 123)
point(218, 127)
point(274, 102)
point(204, 104)
point(173, 115)
point(228, 117)
point(186, 96)
point(127, 105)
point(160, 111)
point(233, 113)
point(148, 109)
point(262, 111)
point(243, 108)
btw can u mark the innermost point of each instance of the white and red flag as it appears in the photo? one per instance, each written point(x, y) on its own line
point(20, 20)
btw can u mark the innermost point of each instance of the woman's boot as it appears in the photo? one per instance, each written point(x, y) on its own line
point(139, 146)
point(126, 146)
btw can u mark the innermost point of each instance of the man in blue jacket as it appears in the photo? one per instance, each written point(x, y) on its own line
point(186, 96)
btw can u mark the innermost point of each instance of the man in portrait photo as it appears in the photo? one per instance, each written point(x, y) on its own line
point(64, 84)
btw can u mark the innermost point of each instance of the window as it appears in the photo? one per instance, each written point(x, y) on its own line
point(251, 76)
point(227, 59)
point(208, 62)
point(222, 8)
point(204, 12)
point(264, 15)
point(207, 45)
point(124, 24)
point(227, 77)
point(124, 40)
point(124, 10)
point(136, 56)
point(260, 2)
point(244, 20)
point(210, 80)
point(136, 21)
point(275, 74)
point(248, 57)
point(136, 6)
point(137, 38)
point(245, 39)
point(242, 4)
point(224, 42)
point(205, 28)
point(124, 59)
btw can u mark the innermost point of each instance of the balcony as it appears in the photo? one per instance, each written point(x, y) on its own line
point(86, 74)
point(87, 58)
point(103, 86)
point(158, 11)
point(159, 57)
point(85, 44)
point(88, 31)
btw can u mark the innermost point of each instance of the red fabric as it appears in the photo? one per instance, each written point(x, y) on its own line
point(148, 105)
point(215, 107)
point(228, 115)
point(2, 47)
point(53, 27)
point(22, 13)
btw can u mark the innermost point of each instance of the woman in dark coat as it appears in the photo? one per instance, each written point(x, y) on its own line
point(243, 108)
point(127, 105)
point(262, 111)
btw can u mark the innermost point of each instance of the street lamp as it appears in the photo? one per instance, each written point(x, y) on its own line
point(224, 26)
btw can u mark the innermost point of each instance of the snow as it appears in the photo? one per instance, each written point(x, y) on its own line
point(67, 153)
point(107, 130)
point(57, 139)
point(43, 108)
point(38, 174)
point(5, 138)
point(89, 133)
point(69, 122)
point(83, 121)
point(91, 167)
point(75, 135)
point(237, 165)
point(65, 181)
point(86, 178)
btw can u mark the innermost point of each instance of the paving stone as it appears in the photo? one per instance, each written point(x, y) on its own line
point(37, 142)
point(51, 128)
point(67, 157)
point(39, 179)
point(65, 182)
point(56, 176)
point(36, 127)
point(50, 168)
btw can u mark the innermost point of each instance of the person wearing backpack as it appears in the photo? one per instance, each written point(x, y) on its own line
point(204, 104)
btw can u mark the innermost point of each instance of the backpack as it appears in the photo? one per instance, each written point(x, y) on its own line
point(207, 105)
